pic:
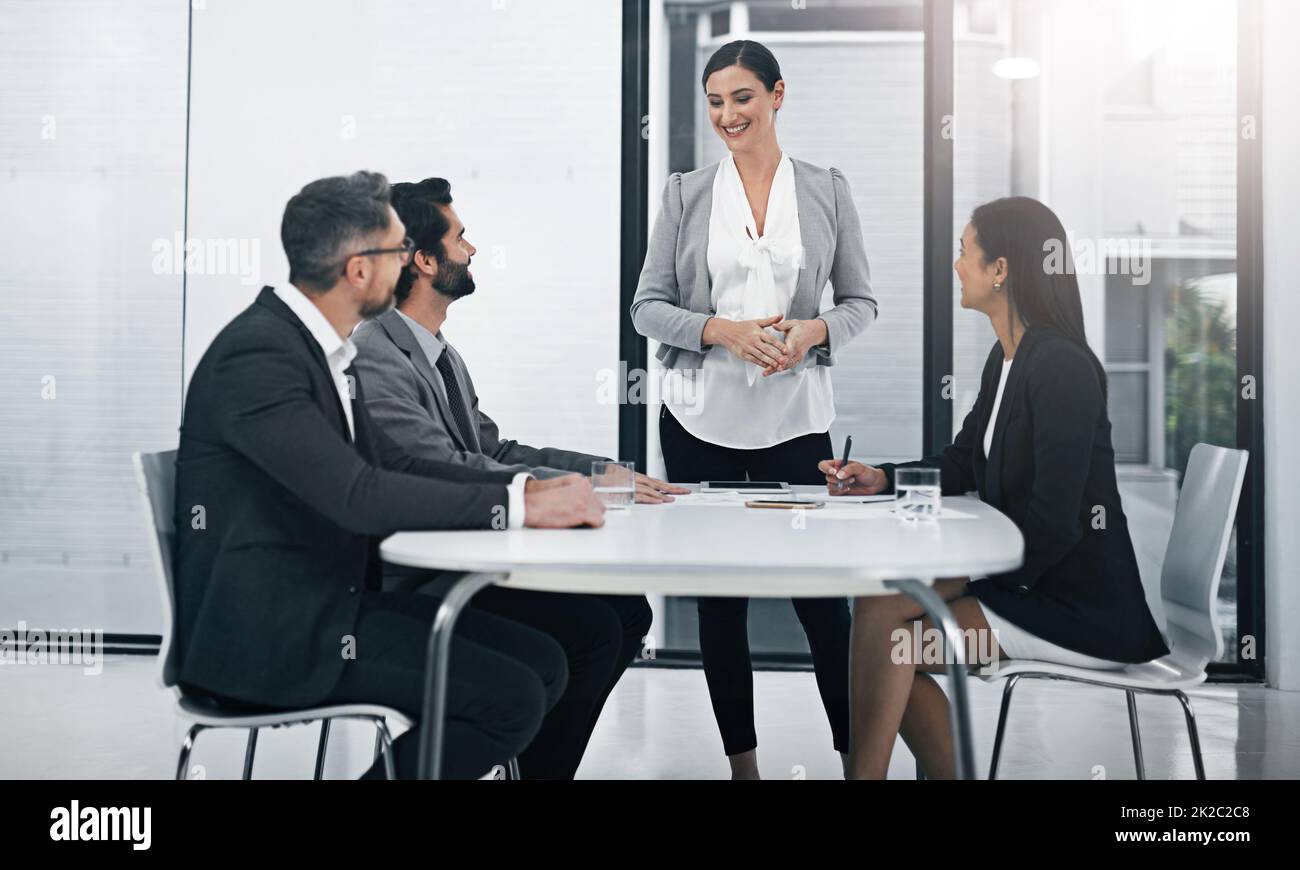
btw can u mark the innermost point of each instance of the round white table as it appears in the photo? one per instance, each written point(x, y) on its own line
point(707, 545)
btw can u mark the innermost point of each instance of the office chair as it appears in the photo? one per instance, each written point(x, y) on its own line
point(1189, 588)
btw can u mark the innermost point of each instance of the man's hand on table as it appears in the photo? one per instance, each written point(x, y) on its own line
point(562, 503)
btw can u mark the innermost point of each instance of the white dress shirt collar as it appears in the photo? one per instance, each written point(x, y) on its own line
point(339, 352)
point(317, 324)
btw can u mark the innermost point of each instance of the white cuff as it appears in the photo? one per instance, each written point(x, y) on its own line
point(515, 493)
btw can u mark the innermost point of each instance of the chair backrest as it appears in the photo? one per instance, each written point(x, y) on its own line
point(155, 476)
point(1198, 545)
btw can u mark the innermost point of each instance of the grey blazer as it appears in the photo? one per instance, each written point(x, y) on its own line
point(674, 296)
point(406, 398)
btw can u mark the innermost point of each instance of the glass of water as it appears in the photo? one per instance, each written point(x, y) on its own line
point(918, 494)
point(614, 483)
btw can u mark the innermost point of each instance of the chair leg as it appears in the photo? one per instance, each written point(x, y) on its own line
point(249, 751)
point(1002, 724)
point(183, 763)
point(512, 769)
point(1137, 734)
point(1193, 734)
point(320, 748)
point(384, 744)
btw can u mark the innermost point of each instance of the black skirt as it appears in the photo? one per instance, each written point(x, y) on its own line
point(1084, 604)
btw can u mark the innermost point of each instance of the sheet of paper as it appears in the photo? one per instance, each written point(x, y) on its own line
point(877, 512)
point(850, 499)
point(712, 499)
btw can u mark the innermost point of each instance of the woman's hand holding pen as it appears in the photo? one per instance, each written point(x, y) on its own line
point(747, 339)
point(853, 478)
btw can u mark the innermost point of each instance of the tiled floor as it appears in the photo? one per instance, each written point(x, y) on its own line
point(56, 721)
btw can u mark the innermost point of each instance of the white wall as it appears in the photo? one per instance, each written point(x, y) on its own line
point(1280, 385)
point(516, 103)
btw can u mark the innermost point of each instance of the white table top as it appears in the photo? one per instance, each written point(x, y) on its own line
point(697, 546)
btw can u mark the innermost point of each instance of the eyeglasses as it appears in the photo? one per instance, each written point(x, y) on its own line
point(407, 248)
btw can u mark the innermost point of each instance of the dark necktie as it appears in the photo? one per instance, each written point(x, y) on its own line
point(459, 410)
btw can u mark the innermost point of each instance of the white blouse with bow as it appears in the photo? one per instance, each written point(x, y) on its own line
point(728, 402)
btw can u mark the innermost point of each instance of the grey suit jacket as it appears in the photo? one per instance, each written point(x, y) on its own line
point(406, 398)
point(674, 296)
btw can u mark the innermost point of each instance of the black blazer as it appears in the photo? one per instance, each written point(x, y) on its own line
point(279, 515)
point(1051, 470)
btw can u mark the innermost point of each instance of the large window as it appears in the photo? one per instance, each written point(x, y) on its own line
point(92, 168)
point(1121, 117)
point(119, 273)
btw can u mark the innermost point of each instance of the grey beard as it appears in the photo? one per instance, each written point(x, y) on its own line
point(372, 310)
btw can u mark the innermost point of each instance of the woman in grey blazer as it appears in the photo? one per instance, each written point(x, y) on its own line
point(731, 288)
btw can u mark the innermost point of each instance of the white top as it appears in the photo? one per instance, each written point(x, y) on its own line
point(339, 353)
point(690, 548)
point(997, 403)
point(728, 401)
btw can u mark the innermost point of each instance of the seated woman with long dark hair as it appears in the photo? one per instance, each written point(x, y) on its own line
point(1037, 446)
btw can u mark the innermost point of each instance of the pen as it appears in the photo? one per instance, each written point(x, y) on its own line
point(848, 444)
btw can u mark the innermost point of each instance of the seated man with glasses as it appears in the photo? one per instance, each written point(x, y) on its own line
point(278, 590)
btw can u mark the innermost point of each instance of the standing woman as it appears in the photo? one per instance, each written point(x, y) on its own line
point(1037, 447)
point(731, 288)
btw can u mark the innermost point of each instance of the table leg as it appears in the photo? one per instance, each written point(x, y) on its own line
point(434, 716)
point(955, 664)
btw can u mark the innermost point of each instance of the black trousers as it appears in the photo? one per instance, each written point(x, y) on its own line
point(600, 635)
point(724, 635)
point(503, 679)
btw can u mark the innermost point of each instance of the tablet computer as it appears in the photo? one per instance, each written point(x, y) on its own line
point(746, 486)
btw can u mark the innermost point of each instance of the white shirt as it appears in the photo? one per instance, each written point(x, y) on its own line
point(728, 401)
point(997, 403)
point(339, 353)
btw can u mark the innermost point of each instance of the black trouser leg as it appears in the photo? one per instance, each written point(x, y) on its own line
point(724, 652)
point(826, 622)
point(594, 632)
point(724, 638)
point(503, 678)
point(635, 615)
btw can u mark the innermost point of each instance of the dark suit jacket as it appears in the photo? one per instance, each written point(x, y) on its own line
point(1050, 467)
point(268, 587)
point(406, 398)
